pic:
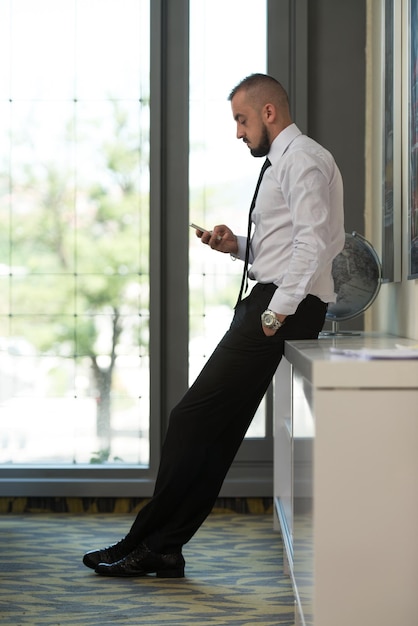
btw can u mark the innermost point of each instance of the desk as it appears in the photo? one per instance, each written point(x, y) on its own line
point(346, 482)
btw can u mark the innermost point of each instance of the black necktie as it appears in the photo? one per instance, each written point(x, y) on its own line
point(244, 281)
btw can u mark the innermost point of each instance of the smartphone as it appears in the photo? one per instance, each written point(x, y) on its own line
point(203, 230)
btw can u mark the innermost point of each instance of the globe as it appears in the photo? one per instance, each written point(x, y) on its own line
point(357, 274)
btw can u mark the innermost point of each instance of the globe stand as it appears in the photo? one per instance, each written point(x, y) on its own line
point(357, 275)
point(336, 332)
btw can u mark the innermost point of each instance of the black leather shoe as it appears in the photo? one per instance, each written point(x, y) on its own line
point(143, 561)
point(111, 554)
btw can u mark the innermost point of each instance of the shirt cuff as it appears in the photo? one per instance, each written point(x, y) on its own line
point(242, 246)
point(282, 304)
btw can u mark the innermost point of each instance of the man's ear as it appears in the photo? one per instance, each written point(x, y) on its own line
point(269, 113)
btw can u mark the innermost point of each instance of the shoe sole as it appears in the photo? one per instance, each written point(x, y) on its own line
point(141, 573)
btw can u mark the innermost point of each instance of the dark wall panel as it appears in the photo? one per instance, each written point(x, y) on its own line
point(336, 93)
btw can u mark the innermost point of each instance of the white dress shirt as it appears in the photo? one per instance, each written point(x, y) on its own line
point(299, 222)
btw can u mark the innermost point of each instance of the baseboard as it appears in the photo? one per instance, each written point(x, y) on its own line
point(121, 506)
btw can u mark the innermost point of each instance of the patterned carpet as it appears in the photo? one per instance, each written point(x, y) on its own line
point(233, 575)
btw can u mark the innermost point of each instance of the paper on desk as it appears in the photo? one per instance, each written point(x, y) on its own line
point(400, 352)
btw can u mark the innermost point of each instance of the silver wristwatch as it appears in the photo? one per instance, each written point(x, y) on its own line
point(269, 320)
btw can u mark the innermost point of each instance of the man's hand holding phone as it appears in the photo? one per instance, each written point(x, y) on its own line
point(221, 238)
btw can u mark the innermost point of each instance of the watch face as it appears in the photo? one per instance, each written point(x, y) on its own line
point(268, 319)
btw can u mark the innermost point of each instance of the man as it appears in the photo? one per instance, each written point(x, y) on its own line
point(298, 217)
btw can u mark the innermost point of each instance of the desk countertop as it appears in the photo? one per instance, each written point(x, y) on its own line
point(322, 367)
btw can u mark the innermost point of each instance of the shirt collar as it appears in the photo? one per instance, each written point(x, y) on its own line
point(282, 142)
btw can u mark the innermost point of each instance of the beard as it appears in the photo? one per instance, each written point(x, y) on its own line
point(263, 147)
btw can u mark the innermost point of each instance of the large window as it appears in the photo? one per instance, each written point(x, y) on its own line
point(96, 190)
point(74, 231)
point(222, 172)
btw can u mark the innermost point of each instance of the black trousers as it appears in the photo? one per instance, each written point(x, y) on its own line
point(208, 425)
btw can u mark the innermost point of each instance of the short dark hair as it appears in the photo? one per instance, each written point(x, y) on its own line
point(266, 84)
